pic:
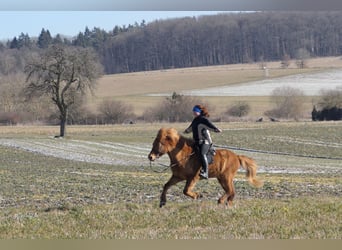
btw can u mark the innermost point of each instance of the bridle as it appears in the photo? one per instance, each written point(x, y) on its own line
point(172, 165)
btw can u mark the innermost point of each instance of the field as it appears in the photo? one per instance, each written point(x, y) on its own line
point(98, 184)
point(219, 85)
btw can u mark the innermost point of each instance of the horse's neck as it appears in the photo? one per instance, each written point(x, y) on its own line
point(183, 150)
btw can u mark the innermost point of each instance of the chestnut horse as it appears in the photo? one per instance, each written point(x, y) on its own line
point(185, 165)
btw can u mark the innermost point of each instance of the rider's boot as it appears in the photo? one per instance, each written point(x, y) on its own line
point(204, 169)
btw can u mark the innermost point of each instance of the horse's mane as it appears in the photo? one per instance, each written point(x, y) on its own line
point(182, 139)
point(187, 140)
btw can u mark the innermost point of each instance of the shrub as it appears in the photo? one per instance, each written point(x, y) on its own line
point(289, 103)
point(239, 109)
point(176, 108)
point(330, 98)
point(9, 118)
point(115, 112)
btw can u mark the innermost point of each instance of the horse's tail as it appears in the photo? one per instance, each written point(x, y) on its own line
point(251, 167)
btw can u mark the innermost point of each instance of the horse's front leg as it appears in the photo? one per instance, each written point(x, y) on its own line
point(190, 184)
point(173, 180)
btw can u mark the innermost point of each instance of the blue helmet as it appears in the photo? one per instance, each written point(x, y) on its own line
point(196, 109)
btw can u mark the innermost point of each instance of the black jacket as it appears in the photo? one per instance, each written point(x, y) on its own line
point(200, 127)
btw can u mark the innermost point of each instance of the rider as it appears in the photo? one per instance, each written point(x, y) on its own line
point(200, 127)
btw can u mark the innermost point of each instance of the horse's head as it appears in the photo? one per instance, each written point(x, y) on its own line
point(165, 141)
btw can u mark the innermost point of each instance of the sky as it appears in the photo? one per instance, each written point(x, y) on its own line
point(69, 17)
point(70, 23)
point(140, 4)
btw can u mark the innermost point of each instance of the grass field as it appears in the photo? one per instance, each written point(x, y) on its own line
point(54, 189)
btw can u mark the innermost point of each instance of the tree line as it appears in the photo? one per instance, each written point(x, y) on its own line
point(200, 41)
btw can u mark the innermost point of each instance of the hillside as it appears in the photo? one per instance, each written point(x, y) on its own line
point(146, 89)
point(222, 39)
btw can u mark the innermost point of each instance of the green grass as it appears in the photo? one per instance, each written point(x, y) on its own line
point(301, 218)
point(44, 197)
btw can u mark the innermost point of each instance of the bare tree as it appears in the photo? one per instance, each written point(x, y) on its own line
point(9, 92)
point(302, 57)
point(62, 73)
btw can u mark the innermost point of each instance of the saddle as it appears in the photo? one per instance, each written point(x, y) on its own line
point(210, 154)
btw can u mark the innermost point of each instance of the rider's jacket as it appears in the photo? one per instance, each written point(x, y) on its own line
point(200, 127)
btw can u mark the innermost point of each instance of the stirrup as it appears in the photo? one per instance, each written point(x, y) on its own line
point(203, 175)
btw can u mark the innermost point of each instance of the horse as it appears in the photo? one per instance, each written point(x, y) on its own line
point(185, 165)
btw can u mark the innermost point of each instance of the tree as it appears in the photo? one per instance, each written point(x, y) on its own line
point(63, 74)
point(24, 40)
point(302, 56)
point(44, 39)
point(10, 86)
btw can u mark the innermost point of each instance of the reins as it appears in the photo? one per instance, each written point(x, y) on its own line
point(166, 167)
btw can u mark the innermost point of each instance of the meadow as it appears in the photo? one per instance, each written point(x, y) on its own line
point(143, 90)
point(98, 184)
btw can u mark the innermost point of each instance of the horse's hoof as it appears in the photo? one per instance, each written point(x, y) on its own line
point(219, 201)
point(162, 203)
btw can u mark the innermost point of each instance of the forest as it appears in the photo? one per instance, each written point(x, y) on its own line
point(194, 41)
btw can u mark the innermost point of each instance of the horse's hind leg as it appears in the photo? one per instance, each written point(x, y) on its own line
point(228, 186)
point(231, 192)
point(224, 197)
point(173, 180)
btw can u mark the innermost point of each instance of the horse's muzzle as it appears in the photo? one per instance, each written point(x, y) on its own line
point(152, 157)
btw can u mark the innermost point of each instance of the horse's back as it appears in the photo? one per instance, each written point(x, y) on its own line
point(224, 160)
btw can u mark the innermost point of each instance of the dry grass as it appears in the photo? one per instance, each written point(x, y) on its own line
point(53, 198)
point(133, 88)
